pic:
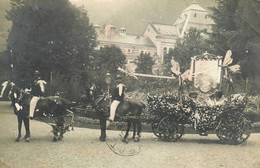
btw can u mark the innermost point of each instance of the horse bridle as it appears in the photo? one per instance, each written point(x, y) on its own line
point(99, 99)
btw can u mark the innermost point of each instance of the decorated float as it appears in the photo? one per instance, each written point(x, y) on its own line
point(207, 110)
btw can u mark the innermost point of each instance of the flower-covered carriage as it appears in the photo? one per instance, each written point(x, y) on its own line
point(227, 120)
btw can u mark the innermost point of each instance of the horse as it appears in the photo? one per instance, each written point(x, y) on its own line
point(54, 107)
point(130, 111)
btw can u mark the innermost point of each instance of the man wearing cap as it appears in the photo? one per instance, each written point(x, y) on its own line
point(117, 97)
point(37, 90)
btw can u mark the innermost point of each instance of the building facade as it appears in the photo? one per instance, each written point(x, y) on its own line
point(131, 45)
point(157, 38)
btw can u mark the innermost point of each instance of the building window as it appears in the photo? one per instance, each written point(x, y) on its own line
point(129, 51)
point(195, 14)
point(206, 16)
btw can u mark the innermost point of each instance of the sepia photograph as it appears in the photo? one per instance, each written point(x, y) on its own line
point(129, 83)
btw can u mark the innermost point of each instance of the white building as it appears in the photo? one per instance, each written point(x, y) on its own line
point(158, 38)
point(131, 45)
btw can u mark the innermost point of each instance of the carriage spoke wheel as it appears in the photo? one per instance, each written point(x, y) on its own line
point(169, 130)
point(234, 132)
point(155, 128)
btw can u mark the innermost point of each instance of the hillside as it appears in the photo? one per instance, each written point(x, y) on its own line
point(131, 14)
point(135, 14)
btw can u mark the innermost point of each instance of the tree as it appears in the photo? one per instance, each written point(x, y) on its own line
point(144, 63)
point(237, 27)
point(50, 36)
point(105, 60)
point(248, 36)
point(190, 45)
point(166, 66)
point(4, 24)
point(224, 27)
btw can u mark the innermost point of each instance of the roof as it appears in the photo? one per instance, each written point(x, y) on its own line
point(195, 6)
point(190, 12)
point(164, 29)
point(127, 39)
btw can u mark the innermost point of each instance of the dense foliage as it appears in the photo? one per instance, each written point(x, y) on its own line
point(106, 60)
point(51, 36)
point(144, 63)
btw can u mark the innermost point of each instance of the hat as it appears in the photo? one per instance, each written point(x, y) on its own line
point(36, 73)
point(118, 77)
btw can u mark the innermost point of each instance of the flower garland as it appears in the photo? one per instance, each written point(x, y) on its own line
point(188, 110)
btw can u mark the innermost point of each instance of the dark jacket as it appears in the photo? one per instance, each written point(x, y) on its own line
point(36, 89)
point(116, 95)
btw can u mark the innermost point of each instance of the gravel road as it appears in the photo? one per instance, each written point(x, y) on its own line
point(81, 148)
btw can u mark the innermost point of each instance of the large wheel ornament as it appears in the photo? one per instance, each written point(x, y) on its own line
point(233, 130)
point(169, 130)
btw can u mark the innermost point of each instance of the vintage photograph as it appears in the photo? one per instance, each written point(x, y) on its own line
point(129, 83)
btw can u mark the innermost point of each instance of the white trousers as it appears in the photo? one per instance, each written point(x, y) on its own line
point(33, 103)
point(3, 89)
point(113, 107)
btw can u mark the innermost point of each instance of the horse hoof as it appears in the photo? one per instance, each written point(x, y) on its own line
point(17, 140)
point(60, 138)
point(102, 139)
point(54, 140)
point(26, 136)
point(126, 140)
point(136, 139)
point(27, 140)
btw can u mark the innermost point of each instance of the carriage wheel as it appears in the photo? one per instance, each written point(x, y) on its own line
point(155, 128)
point(234, 132)
point(169, 130)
